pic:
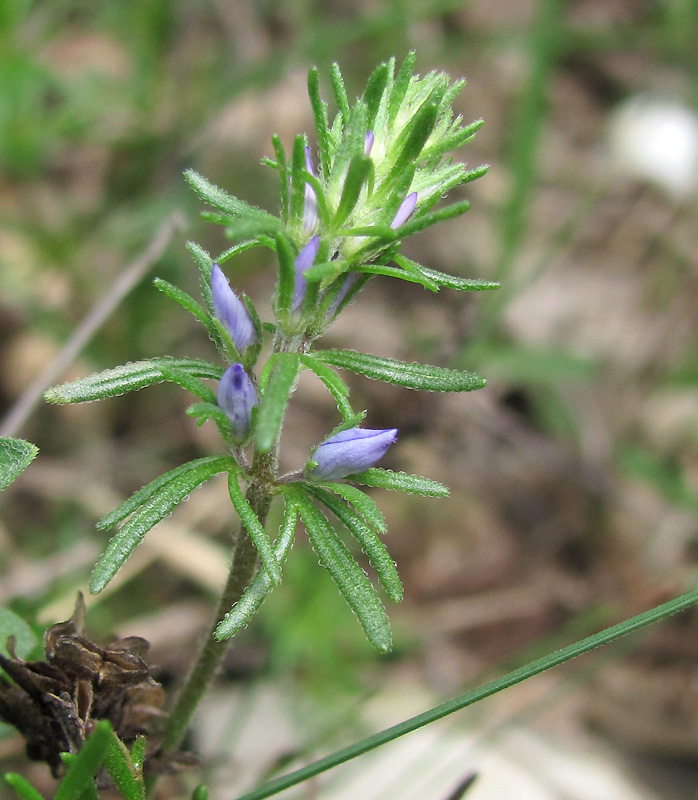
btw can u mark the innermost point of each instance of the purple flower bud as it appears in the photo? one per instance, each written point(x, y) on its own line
point(236, 398)
point(231, 312)
point(349, 280)
point(405, 210)
point(310, 203)
point(368, 143)
point(304, 261)
point(350, 451)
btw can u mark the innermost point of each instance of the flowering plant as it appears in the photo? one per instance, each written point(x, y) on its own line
point(378, 172)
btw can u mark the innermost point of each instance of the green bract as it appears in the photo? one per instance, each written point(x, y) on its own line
point(372, 176)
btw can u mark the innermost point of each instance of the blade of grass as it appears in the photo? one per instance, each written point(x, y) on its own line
point(488, 689)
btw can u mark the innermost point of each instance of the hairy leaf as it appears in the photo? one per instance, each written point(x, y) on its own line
point(275, 398)
point(364, 504)
point(129, 378)
point(409, 375)
point(367, 538)
point(153, 506)
point(243, 611)
point(255, 529)
point(335, 385)
point(346, 573)
point(15, 456)
point(399, 482)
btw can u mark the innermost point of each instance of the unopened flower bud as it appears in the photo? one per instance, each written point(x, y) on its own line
point(405, 210)
point(350, 451)
point(310, 203)
point(368, 143)
point(304, 260)
point(231, 312)
point(236, 398)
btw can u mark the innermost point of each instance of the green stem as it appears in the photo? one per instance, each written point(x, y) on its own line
point(241, 572)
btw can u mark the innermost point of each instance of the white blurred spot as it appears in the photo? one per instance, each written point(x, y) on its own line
point(657, 141)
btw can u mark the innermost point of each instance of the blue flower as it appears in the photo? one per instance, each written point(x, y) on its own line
point(405, 210)
point(231, 312)
point(304, 260)
point(350, 451)
point(368, 143)
point(236, 398)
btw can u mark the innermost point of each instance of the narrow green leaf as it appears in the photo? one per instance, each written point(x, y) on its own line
point(322, 124)
point(252, 227)
point(364, 504)
point(340, 93)
point(187, 381)
point(200, 793)
point(400, 373)
point(360, 168)
point(452, 142)
point(283, 175)
point(205, 411)
point(298, 178)
point(411, 142)
point(220, 199)
point(255, 529)
point(241, 247)
point(402, 82)
point(275, 399)
point(287, 274)
point(346, 573)
point(142, 495)
point(401, 274)
point(15, 456)
point(399, 482)
point(13, 625)
point(138, 753)
point(187, 302)
point(243, 611)
point(335, 385)
point(374, 92)
point(442, 214)
point(118, 762)
point(155, 506)
point(22, 786)
point(128, 378)
point(205, 264)
point(447, 281)
point(368, 539)
point(90, 758)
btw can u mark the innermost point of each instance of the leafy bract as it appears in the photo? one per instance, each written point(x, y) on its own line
point(275, 399)
point(346, 573)
point(147, 507)
point(254, 595)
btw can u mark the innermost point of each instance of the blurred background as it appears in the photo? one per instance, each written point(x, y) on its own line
point(574, 474)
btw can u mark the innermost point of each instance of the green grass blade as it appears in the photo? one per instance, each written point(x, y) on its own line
point(155, 508)
point(128, 378)
point(410, 375)
point(469, 698)
point(275, 399)
point(254, 528)
point(346, 573)
point(243, 611)
point(399, 482)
